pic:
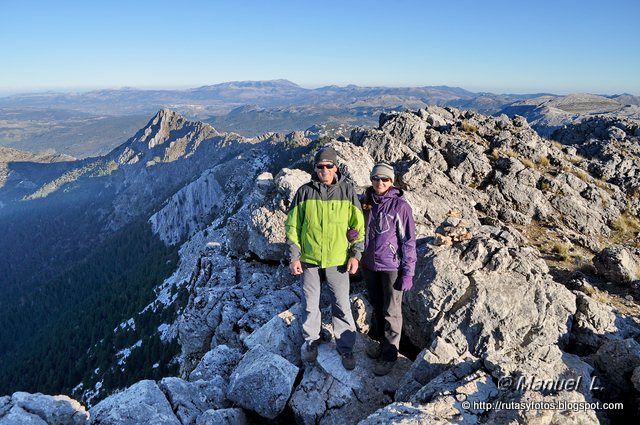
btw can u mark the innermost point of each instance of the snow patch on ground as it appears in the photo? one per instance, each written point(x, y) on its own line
point(163, 329)
point(126, 352)
point(131, 323)
point(93, 393)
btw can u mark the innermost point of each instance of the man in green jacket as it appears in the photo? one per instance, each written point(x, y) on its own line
point(322, 213)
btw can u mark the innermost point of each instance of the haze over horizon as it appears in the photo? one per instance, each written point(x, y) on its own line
point(503, 47)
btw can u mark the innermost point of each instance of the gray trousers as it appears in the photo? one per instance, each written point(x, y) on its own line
point(344, 327)
point(387, 311)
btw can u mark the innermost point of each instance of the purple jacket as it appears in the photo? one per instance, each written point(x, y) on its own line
point(390, 233)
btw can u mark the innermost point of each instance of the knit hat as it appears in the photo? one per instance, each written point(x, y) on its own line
point(326, 154)
point(382, 169)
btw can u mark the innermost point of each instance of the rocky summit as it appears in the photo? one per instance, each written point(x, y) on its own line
point(525, 302)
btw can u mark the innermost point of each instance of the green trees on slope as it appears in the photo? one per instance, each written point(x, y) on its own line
point(54, 335)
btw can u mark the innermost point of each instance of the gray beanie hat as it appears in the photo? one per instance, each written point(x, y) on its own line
point(382, 169)
point(326, 154)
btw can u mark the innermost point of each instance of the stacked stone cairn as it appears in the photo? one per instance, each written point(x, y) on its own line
point(452, 230)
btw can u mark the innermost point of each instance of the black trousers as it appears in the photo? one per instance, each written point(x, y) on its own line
point(387, 311)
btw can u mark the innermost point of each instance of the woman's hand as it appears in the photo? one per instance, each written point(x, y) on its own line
point(403, 283)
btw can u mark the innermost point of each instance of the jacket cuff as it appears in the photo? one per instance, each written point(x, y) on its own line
point(294, 251)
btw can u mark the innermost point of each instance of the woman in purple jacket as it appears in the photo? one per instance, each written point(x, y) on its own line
point(388, 261)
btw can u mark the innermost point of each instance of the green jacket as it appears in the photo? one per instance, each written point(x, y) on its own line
point(318, 221)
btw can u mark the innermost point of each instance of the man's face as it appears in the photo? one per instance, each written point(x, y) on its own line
point(326, 171)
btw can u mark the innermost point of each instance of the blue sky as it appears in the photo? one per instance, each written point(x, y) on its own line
point(499, 46)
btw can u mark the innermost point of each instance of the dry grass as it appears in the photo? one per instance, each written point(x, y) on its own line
point(561, 250)
point(626, 229)
point(601, 184)
point(578, 173)
point(626, 223)
point(468, 127)
point(576, 160)
point(510, 153)
point(495, 154)
point(528, 163)
point(581, 175)
point(543, 237)
point(543, 161)
point(616, 301)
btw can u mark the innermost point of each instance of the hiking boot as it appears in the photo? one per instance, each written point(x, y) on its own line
point(348, 361)
point(310, 351)
point(374, 350)
point(383, 367)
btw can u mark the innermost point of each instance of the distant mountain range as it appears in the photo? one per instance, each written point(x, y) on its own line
point(88, 124)
point(222, 98)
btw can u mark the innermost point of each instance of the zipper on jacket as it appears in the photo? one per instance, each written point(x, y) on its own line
point(395, 253)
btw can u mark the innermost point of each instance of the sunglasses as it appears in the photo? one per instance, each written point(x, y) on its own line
point(323, 166)
point(379, 178)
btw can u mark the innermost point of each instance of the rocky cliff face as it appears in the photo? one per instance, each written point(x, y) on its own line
point(507, 305)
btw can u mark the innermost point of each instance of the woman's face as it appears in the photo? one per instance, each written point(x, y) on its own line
point(381, 184)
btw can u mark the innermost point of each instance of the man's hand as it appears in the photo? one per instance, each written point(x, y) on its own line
point(352, 265)
point(295, 267)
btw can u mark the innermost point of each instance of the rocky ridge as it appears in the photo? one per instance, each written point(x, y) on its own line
point(486, 312)
point(548, 113)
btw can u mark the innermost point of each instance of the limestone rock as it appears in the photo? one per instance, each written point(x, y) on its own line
point(238, 299)
point(5, 405)
point(615, 362)
point(186, 209)
point(616, 264)
point(18, 416)
point(267, 234)
point(635, 378)
point(287, 182)
point(143, 402)
point(26, 408)
point(432, 195)
point(281, 335)
point(441, 401)
point(190, 399)
point(542, 415)
point(362, 312)
point(269, 372)
point(596, 322)
point(355, 163)
point(381, 146)
point(219, 361)
point(223, 417)
point(467, 162)
point(431, 362)
point(494, 299)
point(330, 394)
